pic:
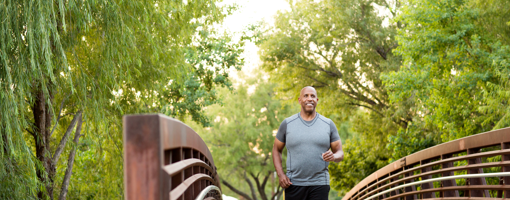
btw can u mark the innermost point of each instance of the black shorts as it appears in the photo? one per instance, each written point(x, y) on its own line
point(318, 192)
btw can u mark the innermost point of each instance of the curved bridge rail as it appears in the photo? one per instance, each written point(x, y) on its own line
point(166, 159)
point(480, 164)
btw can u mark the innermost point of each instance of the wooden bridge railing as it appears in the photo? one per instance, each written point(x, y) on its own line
point(480, 163)
point(166, 159)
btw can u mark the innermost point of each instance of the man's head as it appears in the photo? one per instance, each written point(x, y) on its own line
point(308, 99)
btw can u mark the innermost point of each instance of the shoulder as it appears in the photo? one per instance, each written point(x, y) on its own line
point(291, 119)
point(324, 119)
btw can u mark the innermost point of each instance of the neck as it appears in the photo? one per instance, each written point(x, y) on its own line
point(307, 116)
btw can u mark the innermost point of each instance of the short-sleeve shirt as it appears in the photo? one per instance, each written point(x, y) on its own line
point(305, 142)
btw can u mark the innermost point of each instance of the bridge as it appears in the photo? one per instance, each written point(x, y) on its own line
point(166, 159)
point(432, 173)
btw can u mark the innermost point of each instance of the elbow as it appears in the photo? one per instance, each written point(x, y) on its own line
point(275, 150)
point(340, 157)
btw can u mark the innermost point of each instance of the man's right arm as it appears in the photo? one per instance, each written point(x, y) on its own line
point(277, 161)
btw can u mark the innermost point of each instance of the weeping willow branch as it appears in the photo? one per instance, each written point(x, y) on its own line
point(59, 114)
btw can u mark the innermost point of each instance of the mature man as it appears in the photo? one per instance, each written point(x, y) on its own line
point(307, 136)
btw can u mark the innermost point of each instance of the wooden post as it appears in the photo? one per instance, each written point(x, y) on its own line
point(449, 183)
point(410, 188)
point(427, 185)
point(505, 180)
point(142, 142)
point(476, 181)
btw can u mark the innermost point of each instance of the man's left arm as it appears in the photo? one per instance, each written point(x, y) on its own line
point(336, 154)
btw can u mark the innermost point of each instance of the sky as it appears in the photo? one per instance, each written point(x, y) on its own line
point(250, 12)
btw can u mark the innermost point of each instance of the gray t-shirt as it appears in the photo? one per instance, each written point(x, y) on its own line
point(305, 142)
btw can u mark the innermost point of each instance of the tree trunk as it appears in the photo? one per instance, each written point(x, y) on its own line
point(42, 137)
point(42, 121)
point(244, 195)
point(252, 189)
point(69, 170)
point(278, 193)
point(261, 186)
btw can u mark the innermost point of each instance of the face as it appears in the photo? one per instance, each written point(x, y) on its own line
point(308, 99)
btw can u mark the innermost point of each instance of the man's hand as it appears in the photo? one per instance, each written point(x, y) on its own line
point(284, 181)
point(277, 161)
point(328, 156)
point(336, 154)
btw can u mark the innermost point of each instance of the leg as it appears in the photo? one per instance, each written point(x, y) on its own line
point(320, 192)
point(296, 192)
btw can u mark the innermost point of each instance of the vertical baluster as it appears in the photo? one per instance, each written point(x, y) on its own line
point(410, 188)
point(448, 183)
point(505, 180)
point(365, 192)
point(168, 160)
point(187, 154)
point(176, 179)
point(379, 186)
point(183, 196)
point(427, 185)
point(386, 195)
point(373, 186)
point(476, 181)
point(368, 190)
point(394, 192)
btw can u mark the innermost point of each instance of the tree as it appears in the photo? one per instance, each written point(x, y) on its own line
point(341, 48)
point(338, 47)
point(71, 69)
point(242, 135)
point(455, 70)
point(351, 170)
point(437, 71)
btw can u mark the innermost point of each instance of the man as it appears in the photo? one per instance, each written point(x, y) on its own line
point(307, 136)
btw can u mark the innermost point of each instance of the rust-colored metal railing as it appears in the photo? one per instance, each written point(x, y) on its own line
point(474, 167)
point(166, 159)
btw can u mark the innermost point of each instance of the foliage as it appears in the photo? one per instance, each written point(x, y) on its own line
point(242, 135)
point(396, 76)
point(434, 72)
point(351, 170)
point(341, 48)
point(362, 156)
point(455, 68)
point(59, 59)
point(407, 142)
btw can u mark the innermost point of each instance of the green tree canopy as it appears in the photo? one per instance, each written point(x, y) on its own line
point(242, 135)
point(341, 48)
point(73, 68)
point(455, 70)
point(404, 75)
